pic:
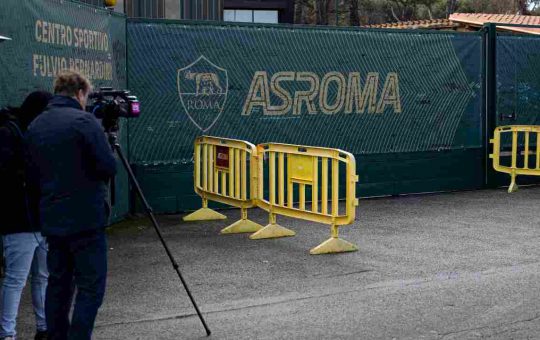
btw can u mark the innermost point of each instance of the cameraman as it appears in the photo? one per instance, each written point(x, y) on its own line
point(72, 162)
point(25, 249)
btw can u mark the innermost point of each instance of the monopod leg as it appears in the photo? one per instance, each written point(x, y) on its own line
point(150, 213)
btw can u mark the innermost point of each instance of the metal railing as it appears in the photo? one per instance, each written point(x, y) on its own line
point(520, 163)
point(295, 169)
point(232, 172)
point(224, 171)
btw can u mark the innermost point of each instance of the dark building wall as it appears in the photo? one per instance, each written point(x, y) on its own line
point(285, 7)
point(171, 9)
point(197, 9)
point(180, 9)
point(201, 9)
point(146, 9)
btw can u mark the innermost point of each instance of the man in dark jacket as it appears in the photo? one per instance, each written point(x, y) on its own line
point(73, 162)
point(25, 249)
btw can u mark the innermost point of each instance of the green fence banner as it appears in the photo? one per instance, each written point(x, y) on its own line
point(48, 36)
point(365, 91)
point(518, 79)
point(52, 35)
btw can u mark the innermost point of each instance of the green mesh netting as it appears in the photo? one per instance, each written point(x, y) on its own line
point(195, 79)
point(51, 35)
point(518, 80)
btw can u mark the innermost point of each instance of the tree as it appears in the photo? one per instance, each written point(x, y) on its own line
point(489, 6)
point(354, 19)
point(522, 7)
point(406, 10)
point(322, 8)
point(533, 5)
point(451, 6)
point(367, 12)
point(403, 10)
point(299, 12)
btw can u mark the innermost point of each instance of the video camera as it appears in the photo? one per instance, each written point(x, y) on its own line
point(109, 105)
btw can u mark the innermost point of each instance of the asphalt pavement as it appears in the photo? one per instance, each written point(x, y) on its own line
point(462, 265)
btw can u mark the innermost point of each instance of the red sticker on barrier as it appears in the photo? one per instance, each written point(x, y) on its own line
point(222, 157)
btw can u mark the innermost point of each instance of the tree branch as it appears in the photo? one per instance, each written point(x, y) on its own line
point(393, 13)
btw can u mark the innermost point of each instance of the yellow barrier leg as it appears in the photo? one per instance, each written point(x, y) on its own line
point(333, 244)
point(204, 214)
point(513, 186)
point(272, 230)
point(244, 225)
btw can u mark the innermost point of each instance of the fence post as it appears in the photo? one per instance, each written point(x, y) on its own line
point(490, 104)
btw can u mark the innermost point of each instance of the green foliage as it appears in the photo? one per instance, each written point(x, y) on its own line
point(371, 12)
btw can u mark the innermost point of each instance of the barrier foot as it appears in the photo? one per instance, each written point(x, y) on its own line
point(272, 230)
point(242, 226)
point(513, 185)
point(333, 245)
point(204, 214)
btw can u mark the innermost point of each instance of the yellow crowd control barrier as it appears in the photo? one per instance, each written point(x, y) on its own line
point(300, 168)
point(222, 171)
point(518, 165)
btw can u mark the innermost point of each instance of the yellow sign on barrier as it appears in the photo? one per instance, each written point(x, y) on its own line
point(301, 167)
point(522, 136)
point(301, 170)
point(225, 172)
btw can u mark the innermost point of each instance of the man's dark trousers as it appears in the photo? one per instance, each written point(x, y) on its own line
point(79, 261)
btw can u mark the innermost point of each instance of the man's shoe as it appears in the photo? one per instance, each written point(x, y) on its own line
point(41, 335)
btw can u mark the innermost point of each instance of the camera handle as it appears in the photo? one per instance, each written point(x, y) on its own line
point(113, 140)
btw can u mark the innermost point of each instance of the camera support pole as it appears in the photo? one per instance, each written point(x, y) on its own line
point(113, 140)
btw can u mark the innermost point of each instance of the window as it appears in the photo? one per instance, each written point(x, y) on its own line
point(247, 15)
point(267, 17)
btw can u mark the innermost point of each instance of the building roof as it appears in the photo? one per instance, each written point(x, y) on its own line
point(430, 24)
point(479, 19)
point(460, 20)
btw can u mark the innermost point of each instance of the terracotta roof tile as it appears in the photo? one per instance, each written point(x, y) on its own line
point(479, 19)
point(435, 23)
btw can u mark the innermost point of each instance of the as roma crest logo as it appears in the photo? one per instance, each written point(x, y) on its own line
point(202, 87)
